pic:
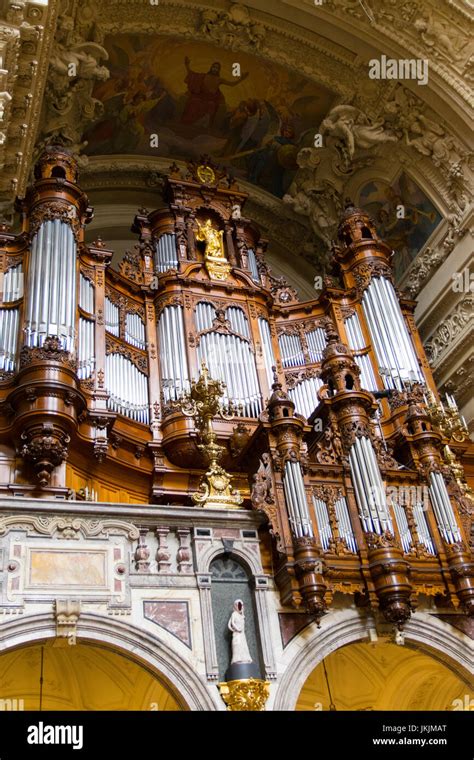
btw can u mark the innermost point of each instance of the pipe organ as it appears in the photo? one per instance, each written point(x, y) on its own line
point(328, 411)
point(52, 310)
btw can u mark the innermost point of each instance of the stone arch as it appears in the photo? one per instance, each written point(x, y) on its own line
point(136, 644)
point(427, 633)
point(242, 554)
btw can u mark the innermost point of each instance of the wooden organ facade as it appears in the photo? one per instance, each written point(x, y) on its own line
point(333, 428)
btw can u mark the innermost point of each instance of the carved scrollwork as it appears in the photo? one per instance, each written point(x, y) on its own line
point(115, 346)
point(365, 272)
point(51, 350)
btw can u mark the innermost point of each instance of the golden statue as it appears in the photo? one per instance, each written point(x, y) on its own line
point(214, 256)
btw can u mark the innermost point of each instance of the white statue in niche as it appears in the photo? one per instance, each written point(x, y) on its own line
point(236, 624)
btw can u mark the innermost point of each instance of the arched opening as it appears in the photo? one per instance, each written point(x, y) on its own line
point(381, 676)
point(366, 233)
point(80, 677)
point(58, 171)
point(349, 382)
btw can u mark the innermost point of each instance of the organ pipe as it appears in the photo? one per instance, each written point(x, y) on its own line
point(135, 330)
point(422, 529)
point(86, 350)
point(322, 520)
point(443, 509)
point(86, 294)
point(368, 487)
point(252, 263)
point(112, 317)
point(171, 341)
point(394, 349)
point(13, 284)
point(316, 340)
point(296, 501)
point(166, 256)
point(268, 355)
point(403, 528)
point(230, 359)
point(304, 395)
point(127, 388)
point(291, 350)
point(51, 294)
point(9, 324)
point(344, 523)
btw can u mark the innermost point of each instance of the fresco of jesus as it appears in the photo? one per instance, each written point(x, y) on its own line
point(204, 96)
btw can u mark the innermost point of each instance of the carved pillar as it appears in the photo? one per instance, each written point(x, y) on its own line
point(306, 567)
point(163, 554)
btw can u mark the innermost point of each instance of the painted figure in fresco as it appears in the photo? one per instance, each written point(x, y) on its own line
point(273, 161)
point(204, 94)
point(236, 624)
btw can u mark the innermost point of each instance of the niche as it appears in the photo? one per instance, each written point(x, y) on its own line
point(230, 581)
point(58, 171)
point(349, 382)
point(366, 233)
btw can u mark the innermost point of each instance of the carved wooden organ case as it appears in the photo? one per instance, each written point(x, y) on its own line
point(334, 402)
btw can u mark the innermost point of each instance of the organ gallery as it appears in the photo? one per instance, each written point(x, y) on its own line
point(235, 466)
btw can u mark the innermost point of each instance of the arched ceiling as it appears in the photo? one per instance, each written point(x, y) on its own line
point(381, 676)
point(80, 677)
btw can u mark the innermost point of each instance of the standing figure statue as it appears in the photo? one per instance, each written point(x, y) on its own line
point(236, 624)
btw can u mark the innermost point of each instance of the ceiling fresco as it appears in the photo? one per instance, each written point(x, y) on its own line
point(406, 235)
point(169, 97)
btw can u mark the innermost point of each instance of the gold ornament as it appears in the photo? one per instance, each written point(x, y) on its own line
point(447, 419)
point(203, 403)
point(217, 265)
point(245, 694)
point(205, 174)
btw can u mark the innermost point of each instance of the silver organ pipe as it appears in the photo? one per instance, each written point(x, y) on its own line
point(166, 256)
point(172, 347)
point(268, 355)
point(9, 318)
point(322, 520)
point(316, 340)
point(135, 330)
point(238, 321)
point(368, 487)
point(229, 358)
point(127, 388)
point(205, 314)
point(86, 350)
point(13, 284)
point(443, 509)
point(304, 395)
point(344, 523)
point(291, 350)
point(402, 524)
point(112, 317)
point(252, 260)
point(9, 324)
point(51, 300)
point(295, 497)
point(86, 294)
point(394, 349)
point(356, 343)
point(424, 535)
